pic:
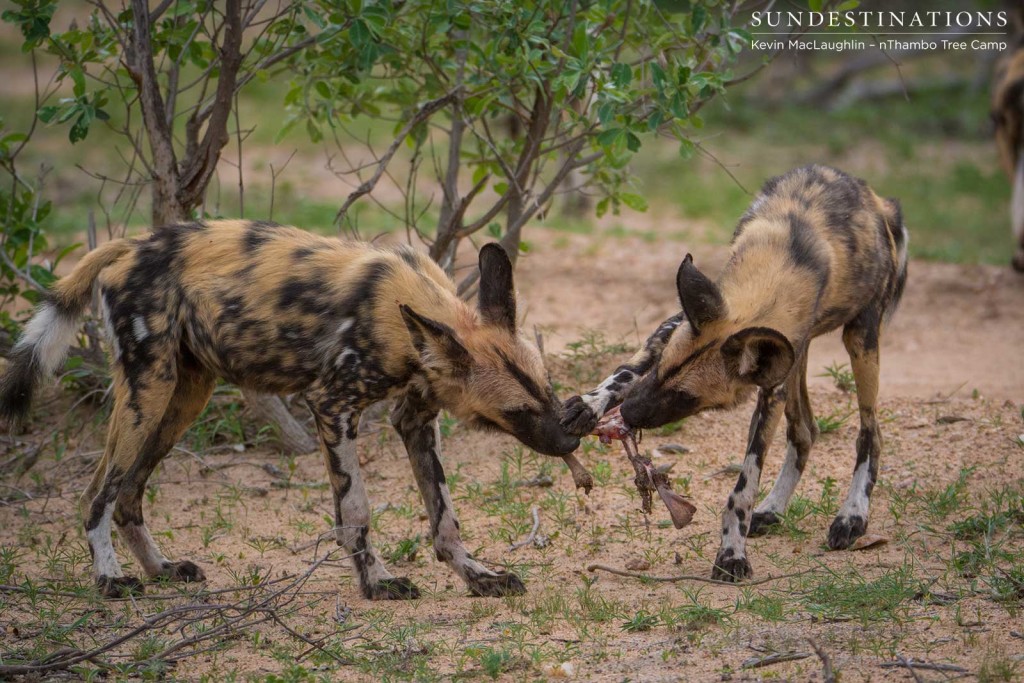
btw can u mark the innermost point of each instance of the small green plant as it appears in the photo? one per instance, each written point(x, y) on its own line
point(404, 551)
point(849, 595)
point(585, 357)
point(832, 421)
point(841, 376)
point(998, 667)
point(493, 661)
point(940, 503)
point(640, 622)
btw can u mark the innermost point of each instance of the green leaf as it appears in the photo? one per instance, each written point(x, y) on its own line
point(64, 252)
point(47, 113)
point(686, 148)
point(814, 5)
point(609, 137)
point(622, 74)
point(633, 201)
point(359, 33)
point(632, 142)
point(698, 17)
point(314, 131)
point(79, 79)
point(323, 89)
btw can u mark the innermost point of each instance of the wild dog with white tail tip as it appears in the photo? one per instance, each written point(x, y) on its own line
point(343, 324)
point(816, 250)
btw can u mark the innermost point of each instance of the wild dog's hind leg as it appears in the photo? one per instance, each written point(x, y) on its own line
point(731, 561)
point(861, 338)
point(416, 422)
point(801, 433)
point(138, 410)
point(191, 393)
point(338, 431)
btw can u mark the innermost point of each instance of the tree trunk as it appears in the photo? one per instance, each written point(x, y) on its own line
point(174, 197)
point(270, 409)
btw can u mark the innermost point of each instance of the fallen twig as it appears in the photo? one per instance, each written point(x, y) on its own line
point(912, 664)
point(774, 658)
point(692, 577)
point(233, 618)
point(827, 674)
point(533, 532)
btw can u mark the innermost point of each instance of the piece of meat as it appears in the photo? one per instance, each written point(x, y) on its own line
point(648, 478)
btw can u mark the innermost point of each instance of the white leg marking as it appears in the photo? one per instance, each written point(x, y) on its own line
point(778, 498)
point(857, 501)
point(733, 537)
point(145, 549)
point(355, 509)
point(104, 560)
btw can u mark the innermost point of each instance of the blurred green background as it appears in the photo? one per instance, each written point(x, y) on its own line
point(930, 146)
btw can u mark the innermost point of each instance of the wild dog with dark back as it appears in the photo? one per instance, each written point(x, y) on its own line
point(343, 324)
point(817, 250)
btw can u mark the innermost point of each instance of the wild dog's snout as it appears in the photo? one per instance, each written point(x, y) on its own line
point(652, 405)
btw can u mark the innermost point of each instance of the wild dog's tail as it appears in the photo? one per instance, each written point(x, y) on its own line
point(50, 332)
point(899, 240)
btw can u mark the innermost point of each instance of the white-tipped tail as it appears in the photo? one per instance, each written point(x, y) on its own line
point(48, 334)
point(1017, 203)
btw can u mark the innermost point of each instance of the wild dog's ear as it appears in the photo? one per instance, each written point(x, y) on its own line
point(497, 291)
point(699, 296)
point(436, 343)
point(759, 355)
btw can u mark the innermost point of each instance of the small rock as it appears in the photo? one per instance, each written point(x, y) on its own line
point(563, 670)
point(671, 448)
point(638, 565)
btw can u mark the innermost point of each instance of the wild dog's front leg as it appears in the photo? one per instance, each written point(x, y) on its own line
point(861, 341)
point(416, 422)
point(801, 432)
point(731, 562)
point(581, 413)
point(352, 509)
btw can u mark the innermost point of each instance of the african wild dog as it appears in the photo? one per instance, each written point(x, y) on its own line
point(815, 251)
point(1008, 118)
point(277, 309)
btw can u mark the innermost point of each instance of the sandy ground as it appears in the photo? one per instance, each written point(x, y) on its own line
point(959, 327)
point(958, 331)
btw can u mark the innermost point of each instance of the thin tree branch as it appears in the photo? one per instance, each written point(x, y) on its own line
point(427, 110)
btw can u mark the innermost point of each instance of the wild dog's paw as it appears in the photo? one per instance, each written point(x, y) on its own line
point(729, 567)
point(119, 586)
point(762, 523)
point(578, 418)
point(845, 530)
point(399, 588)
point(183, 571)
point(496, 585)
